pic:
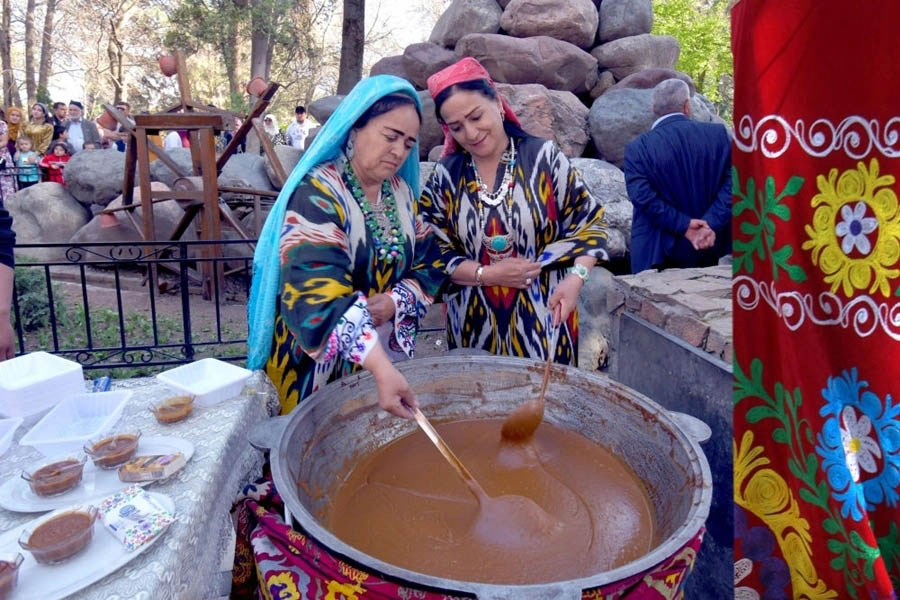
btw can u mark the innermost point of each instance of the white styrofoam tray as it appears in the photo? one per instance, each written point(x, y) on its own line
point(75, 420)
point(34, 382)
point(7, 430)
point(209, 380)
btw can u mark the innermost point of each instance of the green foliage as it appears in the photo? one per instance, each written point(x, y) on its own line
point(42, 95)
point(702, 28)
point(31, 290)
point(759, 237)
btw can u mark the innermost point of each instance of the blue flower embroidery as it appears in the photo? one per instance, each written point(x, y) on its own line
point(858, 433)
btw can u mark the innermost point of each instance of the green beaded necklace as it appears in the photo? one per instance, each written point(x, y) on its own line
point(388, 241)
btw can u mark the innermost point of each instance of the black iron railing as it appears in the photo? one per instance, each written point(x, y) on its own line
point(90, 316)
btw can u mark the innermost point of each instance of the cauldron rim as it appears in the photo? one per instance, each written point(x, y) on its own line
point(693, 522)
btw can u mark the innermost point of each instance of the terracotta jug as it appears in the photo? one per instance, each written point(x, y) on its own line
point(106, 121)
point(167, 64)
point(256, 86)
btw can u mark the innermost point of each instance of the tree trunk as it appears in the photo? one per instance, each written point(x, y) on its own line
point(46, 47)
point(115, 53)
point(10, 89)
point(29, 52)
point(353, 40)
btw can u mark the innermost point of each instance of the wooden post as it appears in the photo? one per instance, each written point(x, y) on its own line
point(148, 228)
point(211, 219)
point(269, 151)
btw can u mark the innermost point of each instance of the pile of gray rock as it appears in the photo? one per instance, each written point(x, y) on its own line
point(49, 213)
point(579, 72)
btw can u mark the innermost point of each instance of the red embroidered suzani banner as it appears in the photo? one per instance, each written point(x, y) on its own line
point(816, 307)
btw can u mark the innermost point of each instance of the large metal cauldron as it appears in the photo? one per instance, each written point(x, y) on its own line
point(342, 421)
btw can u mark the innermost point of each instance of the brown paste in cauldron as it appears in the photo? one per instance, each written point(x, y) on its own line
point(403, 504)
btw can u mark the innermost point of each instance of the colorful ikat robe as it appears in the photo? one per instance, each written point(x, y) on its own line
point(553, 220)
point(323, 328)
point(816, 295)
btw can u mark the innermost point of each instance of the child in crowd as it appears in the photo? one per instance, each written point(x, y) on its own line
point(55, 160)
point(26, 160)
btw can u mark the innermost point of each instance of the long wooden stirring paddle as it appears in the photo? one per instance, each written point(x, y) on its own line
point(524, 421)
point(445, 450)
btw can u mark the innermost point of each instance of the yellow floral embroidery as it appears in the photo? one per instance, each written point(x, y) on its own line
point(346, 591)
point(856, 192)
point(765, 493)
point(289, 591)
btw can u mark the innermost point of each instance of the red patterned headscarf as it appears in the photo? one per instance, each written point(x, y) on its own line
point(467, 69)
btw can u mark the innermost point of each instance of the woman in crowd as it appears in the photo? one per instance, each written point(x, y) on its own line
point(7, 182)
point(270, 124)
point(518, 229)
point(345, 250)
point(15, 120)
point(39, 128)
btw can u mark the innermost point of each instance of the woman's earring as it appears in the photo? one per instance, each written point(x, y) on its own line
point(349, 148)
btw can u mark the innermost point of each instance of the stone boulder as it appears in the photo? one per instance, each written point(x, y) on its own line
point(430, 134)
point(607, 185)
point(573, 21)
point(631, 54)
point(550, 114)
point(46, 213)
point(550, 62)
point(95, 176)
point(434, 154)
point(322, 108)
point(650, 78)
point(605, 80)
point(422, 60)
point(391, 65)
point(426, 168)
point(705, 111)
point(288, 156)
point(245, 170)
point(166, 216)
point(623, 18)
point(160, 172)
point(463, 17)
point(616, 118)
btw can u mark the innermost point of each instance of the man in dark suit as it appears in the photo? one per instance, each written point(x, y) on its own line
point(678, 176)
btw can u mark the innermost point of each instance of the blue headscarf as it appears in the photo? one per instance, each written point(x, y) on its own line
point(326, 146)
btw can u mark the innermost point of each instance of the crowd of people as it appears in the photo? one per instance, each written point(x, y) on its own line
point(36, 146)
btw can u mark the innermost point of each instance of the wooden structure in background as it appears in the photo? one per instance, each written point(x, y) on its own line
point(197, 192)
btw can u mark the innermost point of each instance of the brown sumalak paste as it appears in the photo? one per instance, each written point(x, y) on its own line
point(403, 504)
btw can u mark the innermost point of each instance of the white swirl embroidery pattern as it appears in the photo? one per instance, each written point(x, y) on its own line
point(863, 313)
point(855, 136)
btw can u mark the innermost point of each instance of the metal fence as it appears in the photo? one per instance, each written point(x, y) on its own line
point(56, 306)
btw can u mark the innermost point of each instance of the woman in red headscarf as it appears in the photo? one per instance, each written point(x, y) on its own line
point(518, 228)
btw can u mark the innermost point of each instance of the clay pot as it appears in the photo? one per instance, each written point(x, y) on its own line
point(106, 121)
point(256, 86)
point(167, 64)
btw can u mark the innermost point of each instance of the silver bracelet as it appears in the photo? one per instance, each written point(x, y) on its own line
point(479, 276)
point(581, 271)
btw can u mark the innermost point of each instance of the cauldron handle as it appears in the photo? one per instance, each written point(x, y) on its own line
point(695, 428)
point(264, 434)
point(560, 591)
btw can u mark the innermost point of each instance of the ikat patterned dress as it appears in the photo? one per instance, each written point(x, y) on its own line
point(552, 219)
point(323, 329)
point(816, 294)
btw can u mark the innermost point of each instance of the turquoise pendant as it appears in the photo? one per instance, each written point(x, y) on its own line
point(499, 243)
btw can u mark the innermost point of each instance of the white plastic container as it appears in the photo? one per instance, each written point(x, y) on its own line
point(210, 381)
point(7, 430)
point(32, 383)
point(76, 420)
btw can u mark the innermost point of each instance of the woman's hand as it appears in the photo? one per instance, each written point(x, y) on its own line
point(394, 394)
point(513, 272)
point(381, 307)
point(565, 297)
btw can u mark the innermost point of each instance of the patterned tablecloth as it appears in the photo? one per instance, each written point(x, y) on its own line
point(185, 563)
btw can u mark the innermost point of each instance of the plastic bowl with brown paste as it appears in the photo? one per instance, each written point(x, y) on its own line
point(113, 451)
point(56, 477)
point(61, 537)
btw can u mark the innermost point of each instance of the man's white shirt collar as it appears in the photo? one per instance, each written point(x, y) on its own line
point(662, 118)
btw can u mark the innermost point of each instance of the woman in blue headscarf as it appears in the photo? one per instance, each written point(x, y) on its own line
point(344, 251)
